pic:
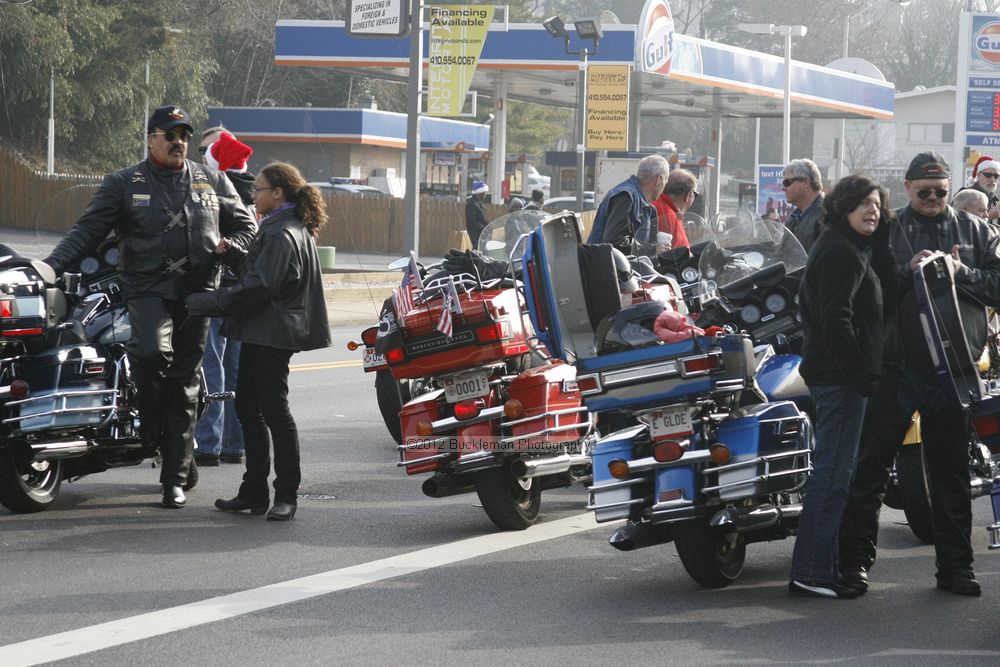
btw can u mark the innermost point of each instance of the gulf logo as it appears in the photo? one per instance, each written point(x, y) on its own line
point(987, 43)
point(656, 46)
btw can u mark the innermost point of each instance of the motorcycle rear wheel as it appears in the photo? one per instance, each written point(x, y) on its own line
point(391, 394)
point(511, 503)
point(26, 488)
point(914, 495)
point(710, 557)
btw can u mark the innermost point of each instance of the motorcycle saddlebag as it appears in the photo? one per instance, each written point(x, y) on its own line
point(770, 452)
point(68, 391)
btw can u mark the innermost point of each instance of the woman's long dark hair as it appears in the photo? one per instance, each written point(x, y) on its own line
point(309, 204)
point(849, 192)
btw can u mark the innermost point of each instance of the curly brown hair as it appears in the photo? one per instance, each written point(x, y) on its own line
point(847, 196)
point(309, 204)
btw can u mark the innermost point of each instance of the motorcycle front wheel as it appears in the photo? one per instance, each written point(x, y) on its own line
point(712, 558)
point(26, 488)
point(511, 503)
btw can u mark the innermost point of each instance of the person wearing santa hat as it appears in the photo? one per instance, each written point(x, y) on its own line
point(218, 434)
point(985, 175)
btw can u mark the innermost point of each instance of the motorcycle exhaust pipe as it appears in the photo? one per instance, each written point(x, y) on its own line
point(51, 451)
point(740, 520)
point(442, 486)
point(547, 466)
point(634, 536)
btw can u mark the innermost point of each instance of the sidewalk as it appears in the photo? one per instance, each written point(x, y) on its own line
point(355, 288)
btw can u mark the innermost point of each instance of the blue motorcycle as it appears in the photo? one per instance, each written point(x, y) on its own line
point(696, 454)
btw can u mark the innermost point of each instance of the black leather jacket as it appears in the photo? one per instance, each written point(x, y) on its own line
point(137, 205)
point(977, 282)
point(278, 301)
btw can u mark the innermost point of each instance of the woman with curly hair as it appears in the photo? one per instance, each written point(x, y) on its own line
point(276, 309)
point(846, 298)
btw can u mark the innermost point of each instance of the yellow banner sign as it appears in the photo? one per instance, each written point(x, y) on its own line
point(456, 39)
point(607, 107)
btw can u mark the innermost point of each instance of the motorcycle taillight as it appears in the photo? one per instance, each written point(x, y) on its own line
point(369, 335)
point(395, 355)
point(491, 333)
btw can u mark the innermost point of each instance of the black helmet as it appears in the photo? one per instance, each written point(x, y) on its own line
point(629, 328)
point(627, 282)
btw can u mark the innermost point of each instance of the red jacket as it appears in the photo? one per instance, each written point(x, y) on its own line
point(667, 221)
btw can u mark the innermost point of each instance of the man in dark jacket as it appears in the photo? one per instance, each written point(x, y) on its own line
point(475, 212)
point(804, 190)
point(927, 224)
point(175, 220)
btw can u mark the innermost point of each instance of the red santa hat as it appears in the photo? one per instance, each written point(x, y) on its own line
point(228, 154)
point(985, 162)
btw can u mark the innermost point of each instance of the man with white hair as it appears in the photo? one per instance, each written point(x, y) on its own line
point(972, 201)
point(626, 213)
point(803, 190)
point(984, 179)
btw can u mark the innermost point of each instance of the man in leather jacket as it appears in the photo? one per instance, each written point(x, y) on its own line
point(175, 221)
point(626, 214)
point(927, 224)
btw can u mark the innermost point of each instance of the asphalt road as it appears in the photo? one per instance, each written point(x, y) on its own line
point(373, 572)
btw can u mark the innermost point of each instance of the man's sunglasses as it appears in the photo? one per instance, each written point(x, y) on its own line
point(202, 149)
point(788, 181)
point(174, 135)
point(989, 174)
point(940, 193)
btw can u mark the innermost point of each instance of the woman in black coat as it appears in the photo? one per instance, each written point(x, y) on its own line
point(276, 309)
point(845, 298)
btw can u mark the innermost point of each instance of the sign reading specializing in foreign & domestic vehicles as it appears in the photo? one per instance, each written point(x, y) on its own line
point(607, 107)
point(457, 35)
point(378, 18)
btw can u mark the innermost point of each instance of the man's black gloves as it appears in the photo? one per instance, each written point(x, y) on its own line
point(474, 263)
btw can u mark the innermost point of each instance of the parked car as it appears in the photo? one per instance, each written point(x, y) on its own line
point(349, 189)
point(556, 204)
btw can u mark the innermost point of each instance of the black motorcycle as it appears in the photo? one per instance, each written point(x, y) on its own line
point(67, 397)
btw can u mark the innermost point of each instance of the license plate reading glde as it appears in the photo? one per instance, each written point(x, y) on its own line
point(670, 422)
point(373, 359)
point(467, 385)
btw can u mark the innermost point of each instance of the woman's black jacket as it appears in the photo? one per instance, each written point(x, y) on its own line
point(846, 298)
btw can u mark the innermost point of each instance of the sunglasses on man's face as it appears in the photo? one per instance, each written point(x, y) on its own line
point(174, 135)
point(788, 181)
point(202, 149)
point(940, 193)
point(990, 174)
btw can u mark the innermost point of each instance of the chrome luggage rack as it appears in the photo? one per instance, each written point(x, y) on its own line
point(58, 400)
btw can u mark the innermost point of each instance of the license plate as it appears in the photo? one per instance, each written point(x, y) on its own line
point(670, 422)
point(373, 359)
point(467, 385)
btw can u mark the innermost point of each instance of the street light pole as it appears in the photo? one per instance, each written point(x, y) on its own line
point(787, 31)
point(581, 131)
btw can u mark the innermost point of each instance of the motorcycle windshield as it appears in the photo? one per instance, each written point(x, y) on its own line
point(746, 247)
point(499, 238)
point(698, 229)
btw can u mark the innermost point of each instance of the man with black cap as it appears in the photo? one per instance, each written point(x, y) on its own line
point(927, 224)
point(175, 220)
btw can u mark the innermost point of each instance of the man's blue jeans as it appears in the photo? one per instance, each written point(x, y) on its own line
point(840, 414)
point(219, 431)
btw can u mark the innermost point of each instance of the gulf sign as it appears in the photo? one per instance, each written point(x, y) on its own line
point(654, 43)
point(987, 43)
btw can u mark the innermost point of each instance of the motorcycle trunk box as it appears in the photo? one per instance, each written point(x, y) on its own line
point(68, 391)
point(488, 330)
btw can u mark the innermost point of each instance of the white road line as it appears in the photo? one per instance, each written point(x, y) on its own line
point(115, 633)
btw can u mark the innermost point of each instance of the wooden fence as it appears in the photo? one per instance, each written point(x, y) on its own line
point(29, 198)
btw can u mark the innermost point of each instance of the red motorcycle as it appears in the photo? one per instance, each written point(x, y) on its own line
point(497, 416)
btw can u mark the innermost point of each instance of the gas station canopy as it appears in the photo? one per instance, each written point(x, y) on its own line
point(704, 77)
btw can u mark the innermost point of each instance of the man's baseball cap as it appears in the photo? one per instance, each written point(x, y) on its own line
point(928, 164)
point(167, 118)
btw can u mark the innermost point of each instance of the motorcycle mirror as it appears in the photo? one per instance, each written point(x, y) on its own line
point(398, 264)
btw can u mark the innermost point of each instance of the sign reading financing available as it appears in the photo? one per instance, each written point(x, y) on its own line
point(378, 18)
point(607, 107)
point(457, 34)
point(654, 47)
